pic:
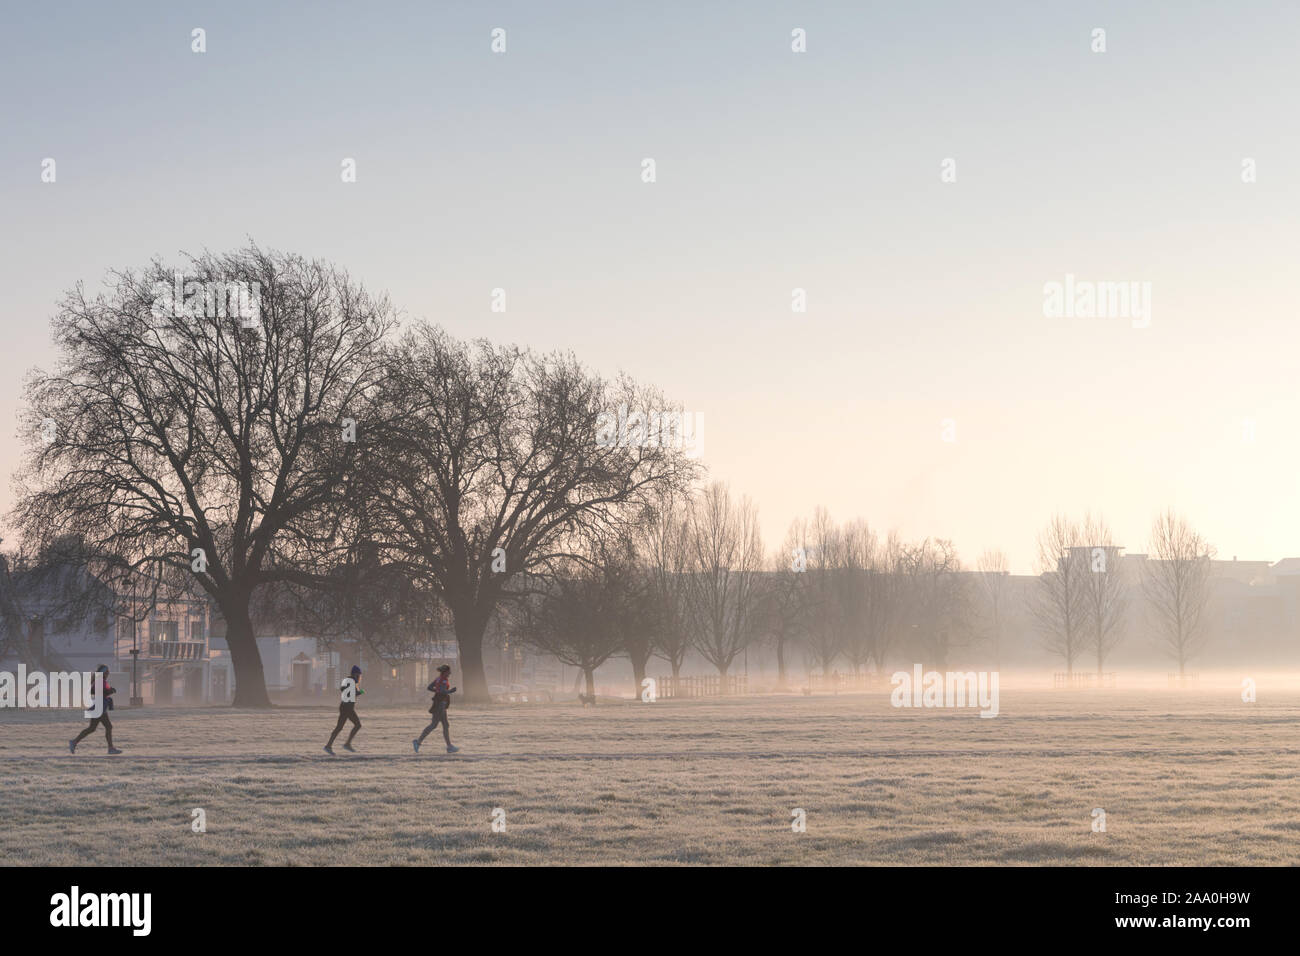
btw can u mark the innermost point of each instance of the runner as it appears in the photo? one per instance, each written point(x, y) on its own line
point(441, 701)
point(101, 719)
point(350, 691)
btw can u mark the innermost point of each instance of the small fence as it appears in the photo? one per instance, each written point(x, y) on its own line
point(1082, 680)
point(1183, 680)
point(837, 683)
point(708, 685)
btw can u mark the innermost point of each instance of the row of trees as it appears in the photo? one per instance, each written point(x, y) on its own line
point(686, 575)
point(693, 576)
point(323, 463)
point(319, 451)
point(1081, 605)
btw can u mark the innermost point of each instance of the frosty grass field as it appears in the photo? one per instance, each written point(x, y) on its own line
point(1185, 777)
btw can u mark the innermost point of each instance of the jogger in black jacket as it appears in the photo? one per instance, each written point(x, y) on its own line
point(101, 719)
point(441, 700)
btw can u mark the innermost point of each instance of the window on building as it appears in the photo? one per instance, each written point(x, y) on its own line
point(164, 631)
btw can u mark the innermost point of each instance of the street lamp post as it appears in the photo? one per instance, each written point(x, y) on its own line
point(136, 699)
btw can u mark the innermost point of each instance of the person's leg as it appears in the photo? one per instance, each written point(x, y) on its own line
point(427, 730)
point(343, 719)
point(356, 725)
point(108, 729)
point(446, 730)
point(90, 729)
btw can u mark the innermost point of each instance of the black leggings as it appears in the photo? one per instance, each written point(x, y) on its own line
point(439, 717)
point(95, 722)
point(346, 712)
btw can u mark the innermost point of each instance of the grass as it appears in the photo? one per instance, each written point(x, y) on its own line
point(1185, 777)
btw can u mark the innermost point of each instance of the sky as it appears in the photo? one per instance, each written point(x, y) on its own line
point(774, 170)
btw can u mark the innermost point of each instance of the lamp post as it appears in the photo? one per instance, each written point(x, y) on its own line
point(136, 699)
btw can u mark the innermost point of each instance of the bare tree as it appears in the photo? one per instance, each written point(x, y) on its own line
point(818, 545)
point(993, 571)
point(782, 610)
point(491, 462)
point(642, 621)
point(857, 558)
point(1106, 589)
point(1176, 582)
point(937, 599)
point(184, 443)
point(581, 612)
point(888, 600)
point(1061, 601)
point(666, 547)
point(726, 561)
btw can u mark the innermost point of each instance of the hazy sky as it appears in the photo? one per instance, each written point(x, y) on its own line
point(775, 170)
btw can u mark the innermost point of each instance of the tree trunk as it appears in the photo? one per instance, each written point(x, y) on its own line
point(469, 629)
point(250, 679)
point(638, 674)
point(722, 680)
point(780, 664)
point(591, 683)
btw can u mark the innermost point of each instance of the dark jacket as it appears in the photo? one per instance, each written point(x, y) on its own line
point(108, 696)
point(441, 690)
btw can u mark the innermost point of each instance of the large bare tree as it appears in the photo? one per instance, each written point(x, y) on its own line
point(1176, 580)
point(492, 461)
point(185, 439)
